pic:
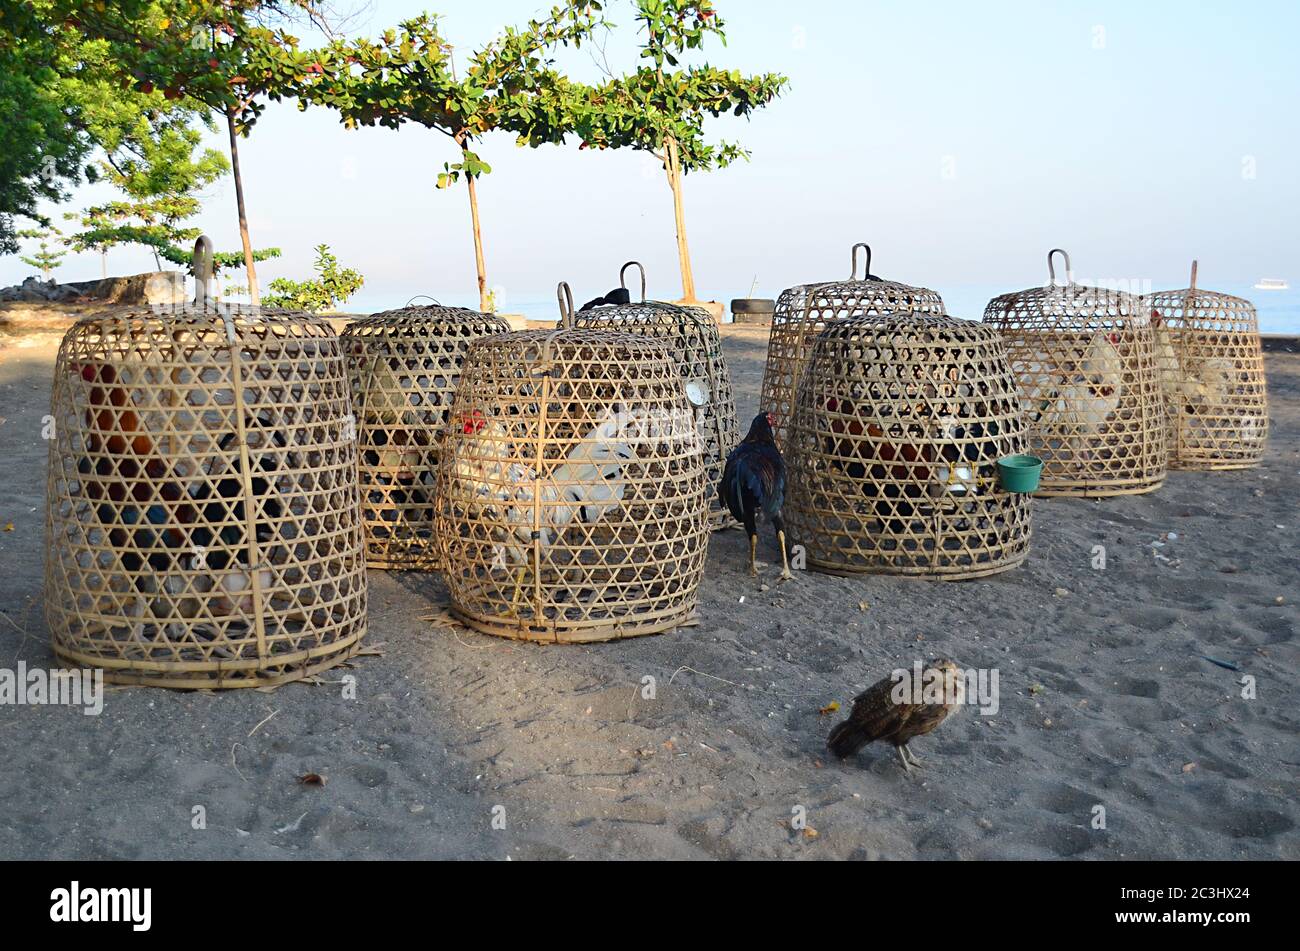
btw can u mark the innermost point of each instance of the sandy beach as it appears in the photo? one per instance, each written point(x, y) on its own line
point(1105, 700)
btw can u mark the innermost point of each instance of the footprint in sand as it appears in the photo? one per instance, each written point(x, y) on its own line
point(370, 776)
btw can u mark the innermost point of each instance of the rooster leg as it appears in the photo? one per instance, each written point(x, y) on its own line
point(909, 756)
point(785, 561)
point(753, 555)
point(901, 750)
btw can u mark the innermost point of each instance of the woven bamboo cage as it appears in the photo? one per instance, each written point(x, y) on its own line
point(1085, 359)
point(571, 497)
point(404, 366)
point(894, 445)
point(203, 524)
point(691, 335)
point(804, 311)
point(1211, 376)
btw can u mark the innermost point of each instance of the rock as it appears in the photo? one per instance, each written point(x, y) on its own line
point(153, 287)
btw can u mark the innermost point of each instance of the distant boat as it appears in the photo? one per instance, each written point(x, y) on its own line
point(1272, 284)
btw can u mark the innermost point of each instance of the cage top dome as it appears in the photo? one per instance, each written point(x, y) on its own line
point(448, 321)
point(1067, 306)
point(195, 322)
point(1198, 308)
point(573, 338)
point(200, 330)
point(868, 294)
point(618, 307)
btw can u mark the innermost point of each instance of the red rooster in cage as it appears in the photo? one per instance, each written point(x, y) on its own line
point(895, 472)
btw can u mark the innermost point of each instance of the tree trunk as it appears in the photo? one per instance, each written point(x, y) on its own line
point(683, 249)
point(103, 262)
point(483, 302)
point(249, 266)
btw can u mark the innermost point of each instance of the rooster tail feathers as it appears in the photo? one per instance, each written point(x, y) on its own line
point(847, 738)
point(729, 489)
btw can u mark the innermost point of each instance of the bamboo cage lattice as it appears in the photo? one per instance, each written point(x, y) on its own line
point(804, 311)
point(1211, 367)
point(1085, 360)
point(571, 496)
point(203, 526)
point(894, 445)
point(692, 338)
point(404, 366)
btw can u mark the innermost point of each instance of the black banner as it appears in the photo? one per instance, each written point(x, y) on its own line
point(313, 900)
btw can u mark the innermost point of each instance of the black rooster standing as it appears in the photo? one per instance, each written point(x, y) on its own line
point(754, 479)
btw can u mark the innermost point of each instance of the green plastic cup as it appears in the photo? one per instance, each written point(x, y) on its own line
point(1020, 473)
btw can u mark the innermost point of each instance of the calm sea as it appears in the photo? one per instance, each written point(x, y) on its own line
point(1279, 311)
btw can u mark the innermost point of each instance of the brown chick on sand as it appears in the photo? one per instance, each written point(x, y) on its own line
point(878, 715)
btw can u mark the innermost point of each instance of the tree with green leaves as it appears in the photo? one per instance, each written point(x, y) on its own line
point(43, 146)
point(331, 286)
point(156, 168)
point(661, 107)
point(47, 256)
point(72, 77)
point(227, 55)
point(409, 75)
point(100, 235)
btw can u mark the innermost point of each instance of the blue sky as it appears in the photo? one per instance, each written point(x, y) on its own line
point(961, 140)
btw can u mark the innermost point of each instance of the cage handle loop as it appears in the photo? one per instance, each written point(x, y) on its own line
point(866, 273)
point(622, 272)
point(1051, 265)
point(564, 294)
point(202, 265)
point(434, 300)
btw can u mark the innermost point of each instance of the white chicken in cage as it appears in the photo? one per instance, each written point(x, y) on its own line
point(1078, 395)
point(487, 476)
point(1197, 383)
